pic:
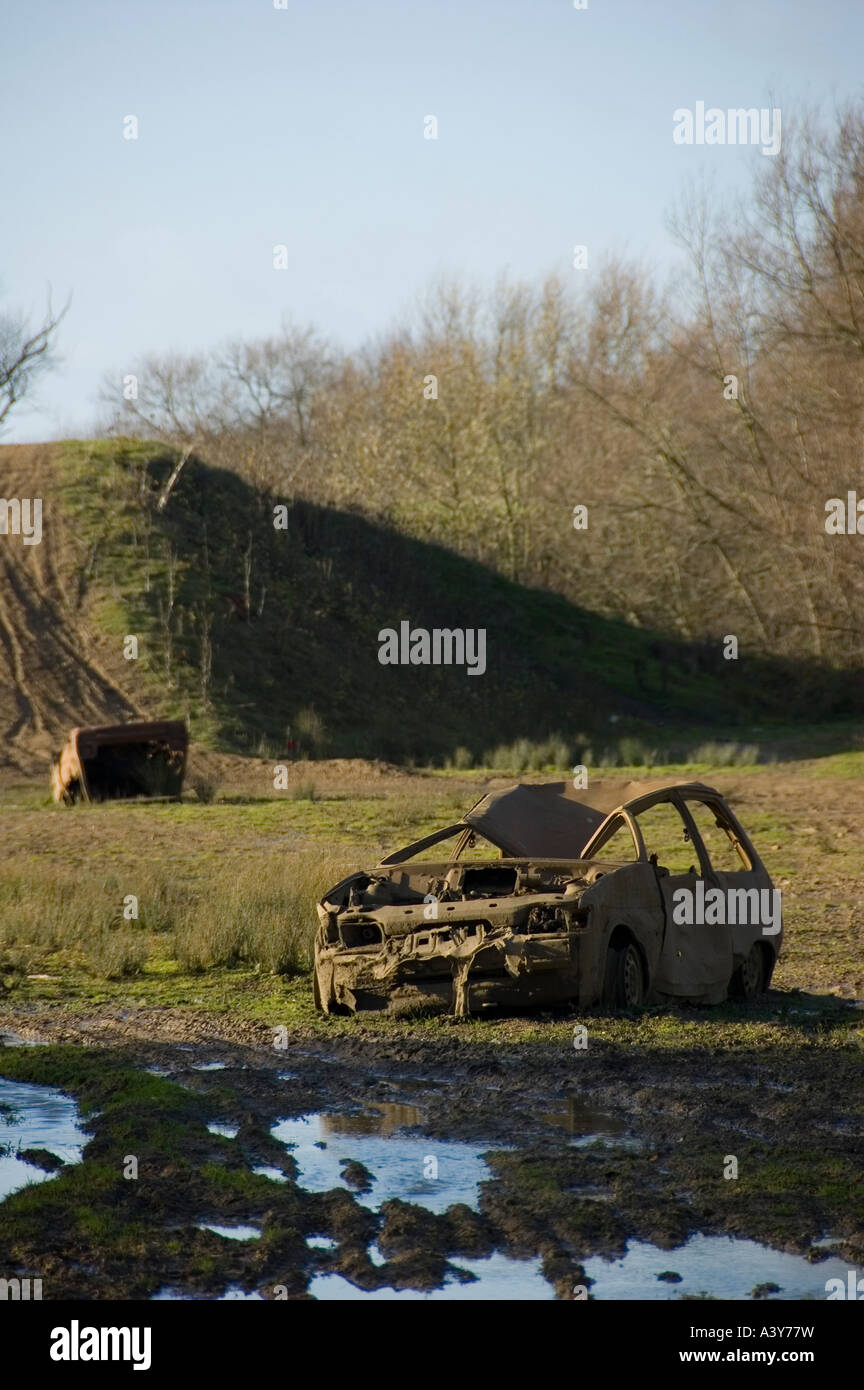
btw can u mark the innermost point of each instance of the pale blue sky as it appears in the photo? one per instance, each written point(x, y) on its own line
point(304, 126)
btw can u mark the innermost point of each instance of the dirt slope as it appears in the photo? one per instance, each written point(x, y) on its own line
point(53, 674)
point(306, 662)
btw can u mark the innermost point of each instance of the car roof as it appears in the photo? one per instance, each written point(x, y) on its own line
point(554, 818)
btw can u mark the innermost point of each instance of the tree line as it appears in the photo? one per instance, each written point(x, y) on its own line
point(703, 424)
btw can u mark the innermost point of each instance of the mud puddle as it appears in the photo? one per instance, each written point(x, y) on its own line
point(35, 1118)
point(717, 1267)
point(225, 1131)
point(583, 1123)
point(232, 1232)
point(434, 1174)
point(400, 1162)
point(372, 1173)
point(233, 1294)
point(497, 1277)
point(720, 1266)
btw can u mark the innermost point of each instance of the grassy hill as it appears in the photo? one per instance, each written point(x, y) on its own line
point(268, 637)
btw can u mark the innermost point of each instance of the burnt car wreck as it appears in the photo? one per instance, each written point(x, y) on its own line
point(550, 895)
point(120, 761)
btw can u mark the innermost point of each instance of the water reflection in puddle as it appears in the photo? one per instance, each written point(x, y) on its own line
point(581, 1122)
point(226, 1131)
point(430, 1172)
point(38, 1117)
point(232, 1294)
point(498, 1277)
point(263, 1170)
point(382, 1117)
point(723, 1266)
point(232, 1232)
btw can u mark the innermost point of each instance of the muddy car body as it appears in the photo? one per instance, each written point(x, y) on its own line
point(582, 904)
point(120, 761)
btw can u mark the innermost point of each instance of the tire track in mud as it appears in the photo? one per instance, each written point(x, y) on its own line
point(50, 677)
point(28, 715)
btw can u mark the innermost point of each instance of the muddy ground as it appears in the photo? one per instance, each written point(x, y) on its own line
point(664, 1127)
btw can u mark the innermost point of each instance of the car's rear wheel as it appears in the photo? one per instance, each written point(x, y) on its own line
point(625, 980)
point(748, 981)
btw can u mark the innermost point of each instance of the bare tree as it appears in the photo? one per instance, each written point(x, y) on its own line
point(275, 380)
point(26, 352)
point(249, 405)
point(172, 398)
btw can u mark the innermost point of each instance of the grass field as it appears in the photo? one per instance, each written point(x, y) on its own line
point(225, 891)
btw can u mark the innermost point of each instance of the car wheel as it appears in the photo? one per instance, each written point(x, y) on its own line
point(625, 981)
point(748, 981)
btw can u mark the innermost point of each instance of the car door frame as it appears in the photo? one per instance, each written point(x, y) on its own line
point(744, 935)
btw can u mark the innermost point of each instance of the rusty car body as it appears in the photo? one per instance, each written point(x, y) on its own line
point(121, 760)
point(578, 906)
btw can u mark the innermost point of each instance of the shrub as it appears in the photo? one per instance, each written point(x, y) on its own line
point(205, 789)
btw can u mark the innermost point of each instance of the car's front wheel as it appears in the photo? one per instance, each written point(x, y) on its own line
point(625, 980)
point(748, 981)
